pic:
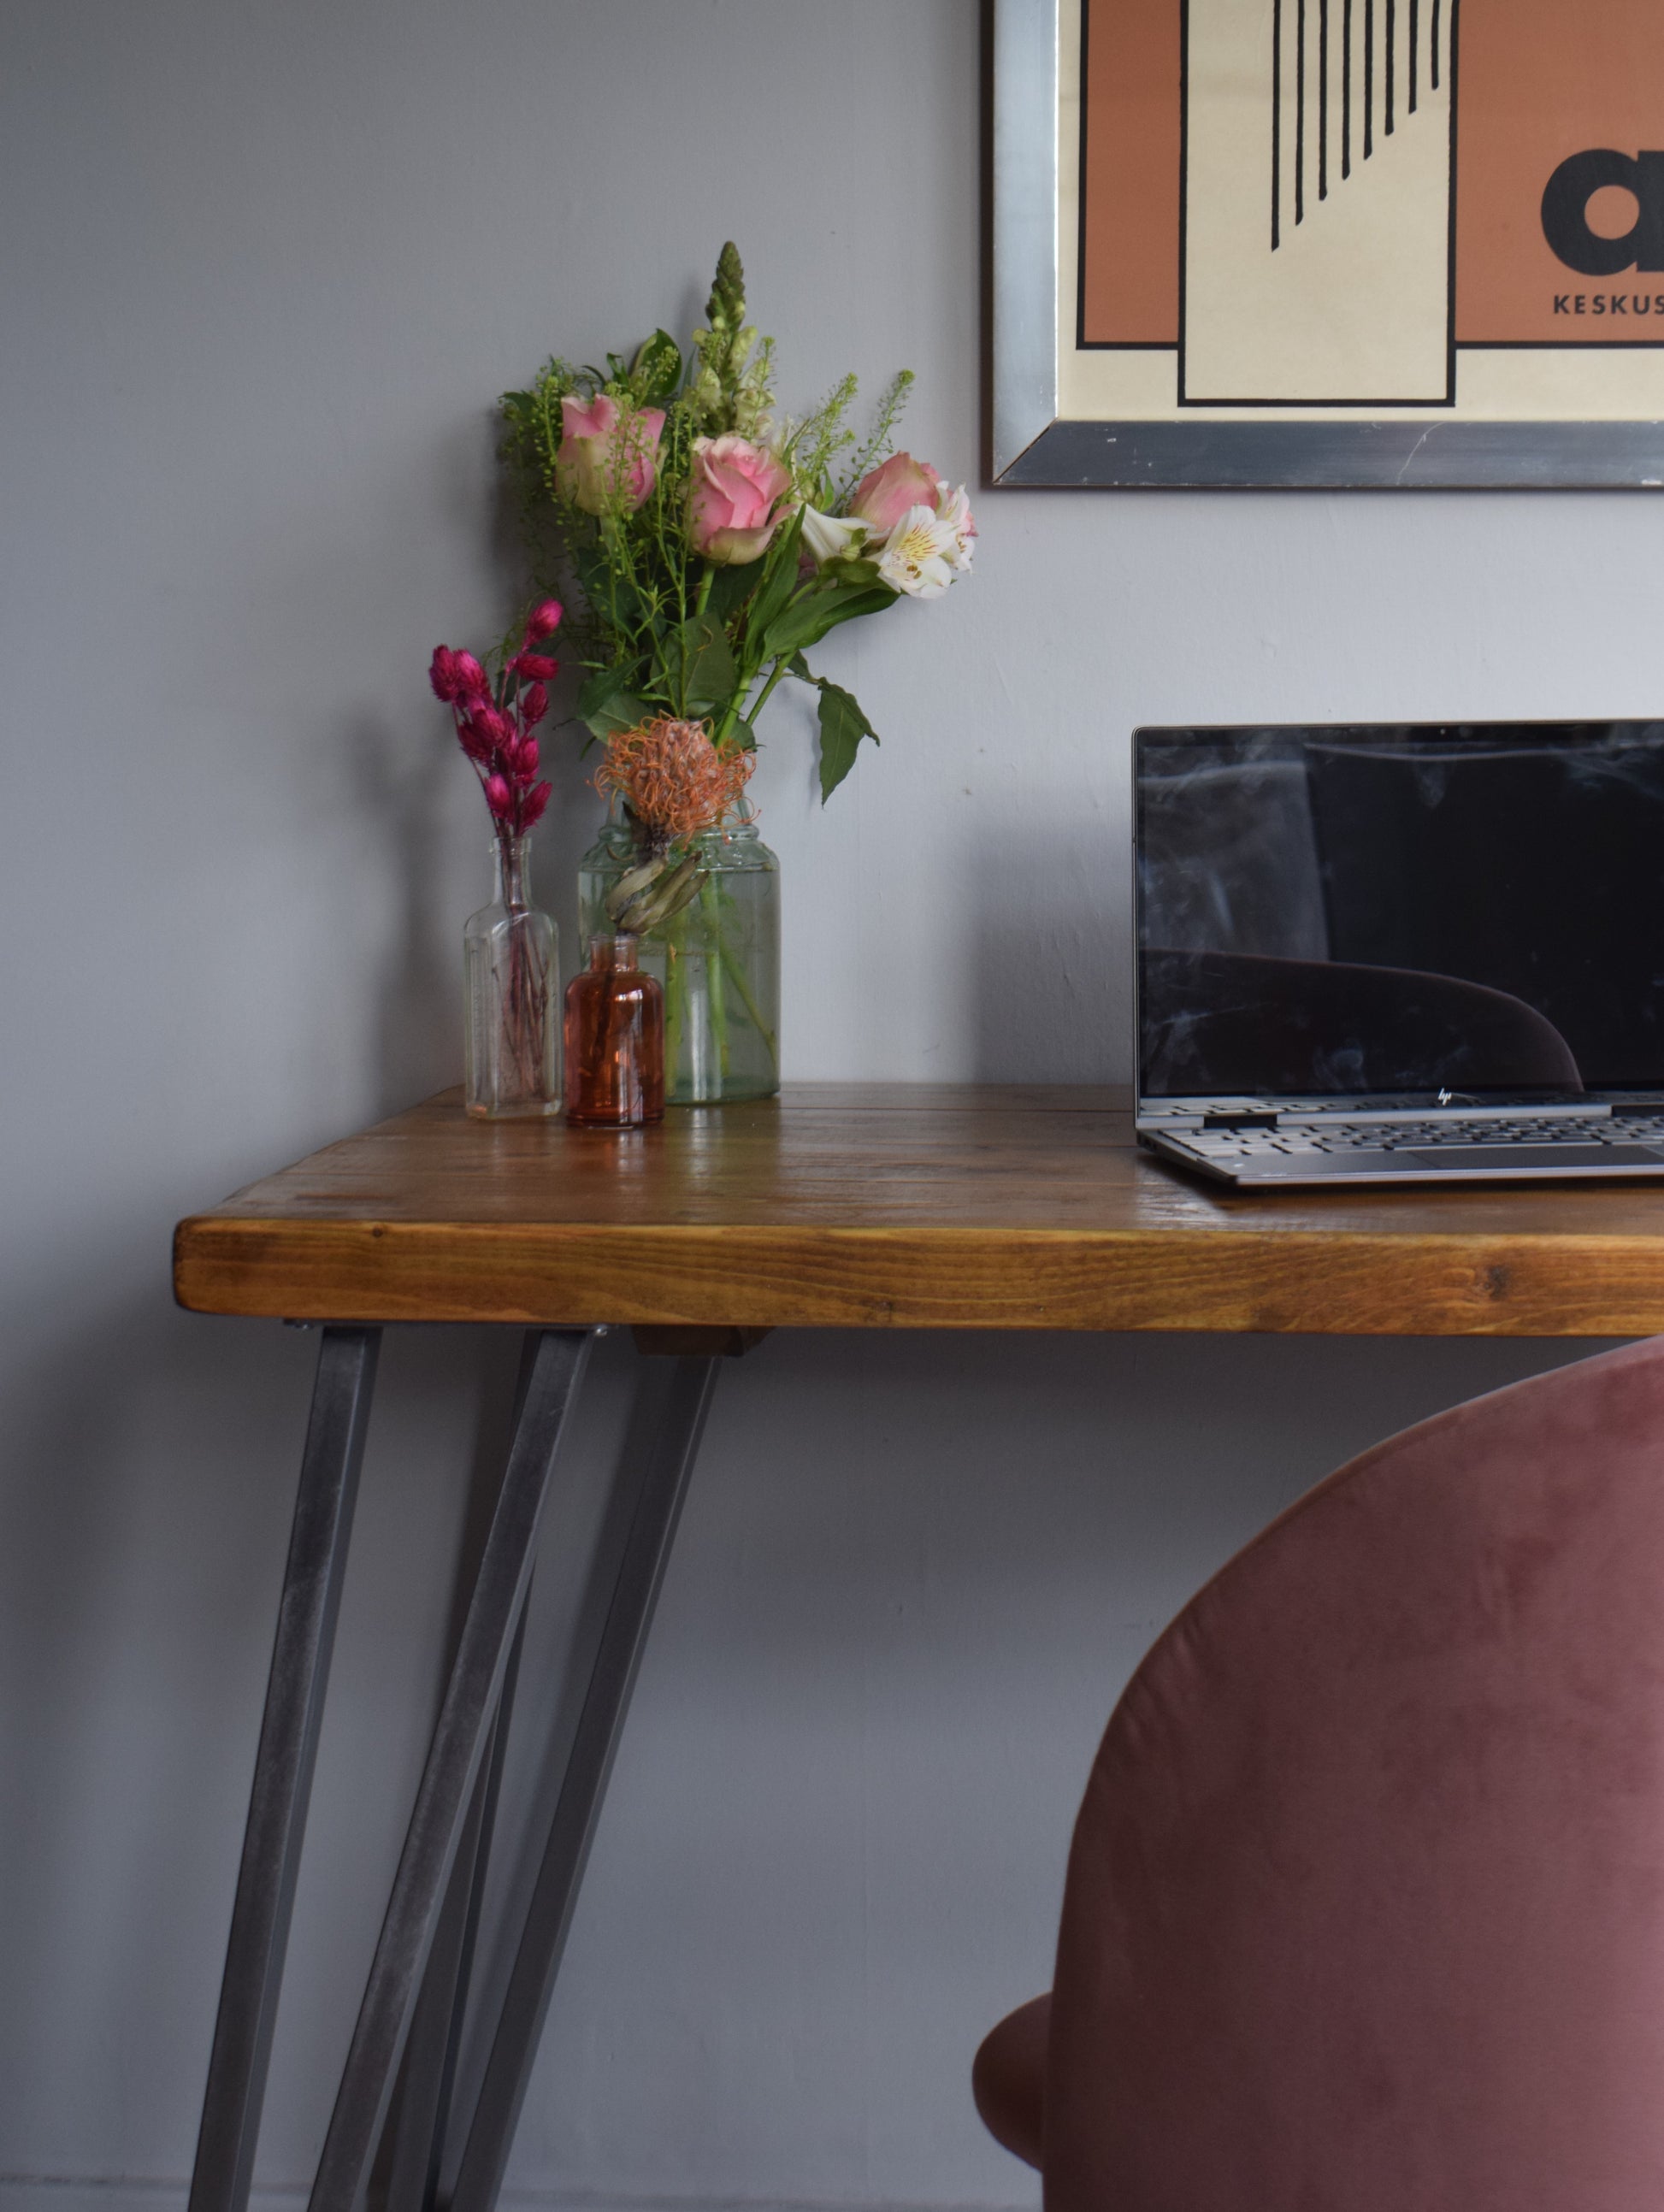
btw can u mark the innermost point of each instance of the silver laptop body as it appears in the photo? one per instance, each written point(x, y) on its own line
point(1378, 953)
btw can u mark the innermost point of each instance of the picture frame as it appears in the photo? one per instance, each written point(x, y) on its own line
point(1426, 282)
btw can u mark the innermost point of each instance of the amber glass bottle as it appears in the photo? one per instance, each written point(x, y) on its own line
point(614, 1041)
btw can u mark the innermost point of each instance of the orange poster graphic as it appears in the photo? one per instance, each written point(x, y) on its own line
point(1321, 202)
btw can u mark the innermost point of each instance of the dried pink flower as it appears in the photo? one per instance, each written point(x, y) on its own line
point(442, 673)
point(535, 665)
point(543, 620)
point(499, 736)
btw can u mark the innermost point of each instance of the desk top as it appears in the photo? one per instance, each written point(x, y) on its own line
point(899, 1205)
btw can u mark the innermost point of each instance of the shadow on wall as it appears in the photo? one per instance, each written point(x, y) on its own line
point(402, 789)
point(141, 1517)
point(1050, 922)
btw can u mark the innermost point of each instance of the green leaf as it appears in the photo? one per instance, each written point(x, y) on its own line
point(797, 666)
point(657, 370)
point(842, 727)
point(621, 710)
point(600, 685)
point(732, 588)
point(698, 664)
point(780, 581)
point(807, 620)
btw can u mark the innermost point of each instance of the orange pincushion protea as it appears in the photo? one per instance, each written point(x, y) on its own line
point(671, 776)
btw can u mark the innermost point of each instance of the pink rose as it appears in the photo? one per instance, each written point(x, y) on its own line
point(734, 497)
point(606, 457)
point(884, 496)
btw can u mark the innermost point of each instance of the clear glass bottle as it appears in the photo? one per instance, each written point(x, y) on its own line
point(718, 960)
point(615, 1040)
point(511, 965)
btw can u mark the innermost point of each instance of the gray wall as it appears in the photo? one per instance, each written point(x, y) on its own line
point(265, 268)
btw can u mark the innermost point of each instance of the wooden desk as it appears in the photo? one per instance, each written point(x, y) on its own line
point(846, 1205)
point(898, 1205)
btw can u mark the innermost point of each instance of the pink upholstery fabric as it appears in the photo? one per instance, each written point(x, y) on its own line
point(1365, 1905)
point(1008, 2079)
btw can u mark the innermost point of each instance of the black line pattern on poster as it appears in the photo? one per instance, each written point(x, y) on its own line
point(1415, 51)
point(1300, 120)
point(1369, 78)
point(1437, 4)
point(1322, 98)
point(1391, 58)
point(1276, 125)
point(1346, 92)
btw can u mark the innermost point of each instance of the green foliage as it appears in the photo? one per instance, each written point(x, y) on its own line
point(700, 671)
point(657, 371)
point(842, 727)
point(882, 436)
point(834, 599)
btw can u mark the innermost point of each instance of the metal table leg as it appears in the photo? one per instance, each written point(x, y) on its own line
point(423, 2110)
point(448, 1780)
point(284, 1769)
point(612, 1677)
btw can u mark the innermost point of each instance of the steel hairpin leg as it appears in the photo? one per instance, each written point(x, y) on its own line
point(606, 1700)
point(414, 2142)
point(454, 1763)
point(283, 1766)
point(425, 2082)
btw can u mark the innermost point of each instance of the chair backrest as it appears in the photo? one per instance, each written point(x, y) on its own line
point(1365, 1905)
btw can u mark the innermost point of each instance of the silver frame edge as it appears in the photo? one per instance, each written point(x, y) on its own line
point(1025, 276)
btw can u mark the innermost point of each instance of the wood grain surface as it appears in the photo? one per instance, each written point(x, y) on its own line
point(899, 1206)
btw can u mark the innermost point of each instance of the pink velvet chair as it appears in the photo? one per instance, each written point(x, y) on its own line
point(1365, 1906)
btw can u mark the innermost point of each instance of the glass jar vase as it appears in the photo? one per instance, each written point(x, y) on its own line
point(512, 997)
point(718, 959)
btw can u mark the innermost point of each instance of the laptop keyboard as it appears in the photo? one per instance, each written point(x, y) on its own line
point(1241, 1147)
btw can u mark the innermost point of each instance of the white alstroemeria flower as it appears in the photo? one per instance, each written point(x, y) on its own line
point(832, 536)
point(953, 512)
point(921, 554)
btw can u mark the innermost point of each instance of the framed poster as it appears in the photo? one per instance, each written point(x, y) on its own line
point(1329, 242)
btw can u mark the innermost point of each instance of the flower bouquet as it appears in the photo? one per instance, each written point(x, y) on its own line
point(712, 546)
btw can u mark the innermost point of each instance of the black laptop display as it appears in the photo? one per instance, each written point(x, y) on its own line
point(1406, 926)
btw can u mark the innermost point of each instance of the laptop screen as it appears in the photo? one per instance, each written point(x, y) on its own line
point(1375, 911)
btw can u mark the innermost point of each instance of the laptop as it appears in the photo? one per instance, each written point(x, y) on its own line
point(1428, 953)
